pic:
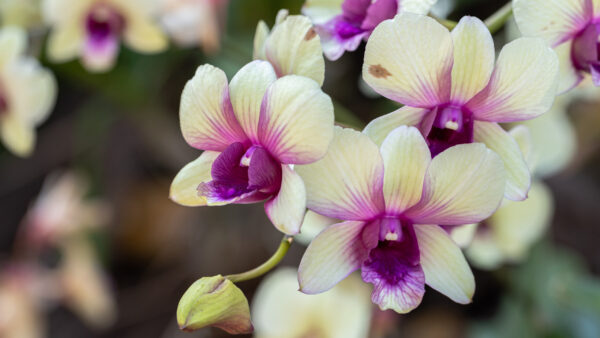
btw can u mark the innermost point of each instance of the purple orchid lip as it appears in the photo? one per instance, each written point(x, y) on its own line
point(3, 104)
point(104, 23)
point(585, 53)
point(452, 125)
point(241, 172)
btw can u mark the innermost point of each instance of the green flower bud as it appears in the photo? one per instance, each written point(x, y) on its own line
point(214, 301)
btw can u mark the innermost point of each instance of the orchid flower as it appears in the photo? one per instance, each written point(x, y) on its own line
point(343, 24)
point(292, 47)
point(252, 131)
point(18, 291)
point(279, 310)
point(508, 234)
point(93, 29)
point(572, 28)
point(27, 93)
point(194, 22)
point(391, 201)
point(451, 89)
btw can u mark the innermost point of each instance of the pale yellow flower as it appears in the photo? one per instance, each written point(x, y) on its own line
point(22, 13)
point(94, 29)
point(27, 93)
point(19, 316)
point(279, 310)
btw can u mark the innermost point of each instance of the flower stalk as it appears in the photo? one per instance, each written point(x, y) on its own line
point(260, 270)
point(494, 22)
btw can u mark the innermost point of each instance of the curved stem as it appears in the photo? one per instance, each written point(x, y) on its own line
point(497, 20)
point(446, 23)
point(265, 267)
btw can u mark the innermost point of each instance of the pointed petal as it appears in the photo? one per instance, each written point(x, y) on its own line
point(247, 89)
point(16, 135)
point(294, 47)
point(184, 189)
point(553, 20)
point(334, 254)
point(312, 225)
point(445, 267)
point(518, 178)
point(260, 36)
point(406, 157)
point(409, 60)
point(13, 42)
point(347, 183)
point(206, 115)
point(379, 128)
point(568, 75)
point(286, 210)
point(473, 58)
point(464, 184)
point(296, 120)
point(517, 225)
point(144, 35)
point(522, 86)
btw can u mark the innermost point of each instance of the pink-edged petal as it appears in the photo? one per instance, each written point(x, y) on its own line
point(379, 128)
point(446, 269)
point(294, 47)
point(334, 254)
point(206, 115)
point(464, 184)
point(406, 157)
point(184, 189)
point(518, 178)
point(347, 183)
point(473, 59)
point(296, 120)
point(286, 210)
point(522, 86)
point(247, 89)
point(568, 75)
point(554, 20)
point(409, 60)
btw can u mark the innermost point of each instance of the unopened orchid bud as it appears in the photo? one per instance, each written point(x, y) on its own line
point(214, 301)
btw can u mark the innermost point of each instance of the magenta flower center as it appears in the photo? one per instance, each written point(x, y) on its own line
point(241, 171)
point(452, 125)
point(104, 23)
point(585, 52)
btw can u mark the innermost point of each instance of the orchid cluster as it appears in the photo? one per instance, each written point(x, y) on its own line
point(398, 199)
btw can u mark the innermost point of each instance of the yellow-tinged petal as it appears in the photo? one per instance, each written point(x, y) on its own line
point(517, 225)
point(521, 134)
point(321, 11)
point(379, 128)
point(286, 210)
point(214, 301)
point(553, 20)
point(518, 178)
point(260, 36)
point(294, 47)
point(473, 58)
point(144, 35)
point(568, 76)
point(406, 157)
point(483, 252)
point(446, 269)
point(463, 235)
point(17, 135)
point(206, 116)
point(415, 6)
point(296, 120)
point(65, 42)
point(184, 189)
point(247, 89)
point(409, 60)
point(334, 254)
point(347, 183)
point(312, 225)
point(13, 42)
point(464, 184)
point(522, 86)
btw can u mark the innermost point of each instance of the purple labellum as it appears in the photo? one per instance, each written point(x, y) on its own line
point(104, 26)
point(585, 52)
point(240, 173)
point(451, 126)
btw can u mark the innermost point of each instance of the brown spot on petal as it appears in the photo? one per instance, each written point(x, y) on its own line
point(310, 34)
point(378, 71)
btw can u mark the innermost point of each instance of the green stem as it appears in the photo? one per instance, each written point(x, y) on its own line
point(265, 267)
point(497, 20)
point(446, 23)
